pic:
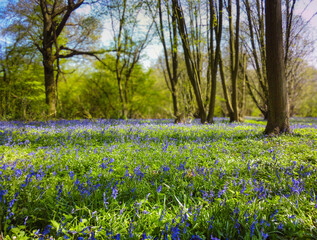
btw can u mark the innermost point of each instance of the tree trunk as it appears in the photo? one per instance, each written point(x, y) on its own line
point(190, 66)
point(214, 70)
point(174, 97)
point(48, 63)
point(6, 94)
point(174, 44)
point(278, 119)
point(242, 89)
point(242, 98)
point(225, 90)
point(123, 105)
point(234, 58)
point(172, 75)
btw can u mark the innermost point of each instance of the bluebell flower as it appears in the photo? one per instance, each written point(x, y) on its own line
point(214, 238)
point(252, 229)
point(18, 173)
point(105, 200)
point(71, 174)
point(175, 232)
point(264, 235)
point(117, 237)
point(139, 174)
point(210, 223)
point(197, 237)
point(159, 188)
point(114, 192)
point(25, 220)
point(131, 230)
point(59, 188)
point(144, 236)
point(93, 214)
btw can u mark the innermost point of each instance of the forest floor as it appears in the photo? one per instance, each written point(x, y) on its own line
point(152, 179)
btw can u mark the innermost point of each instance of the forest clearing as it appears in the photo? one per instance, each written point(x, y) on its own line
point(158, 119)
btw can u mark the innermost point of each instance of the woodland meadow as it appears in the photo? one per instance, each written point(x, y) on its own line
point(158, 119)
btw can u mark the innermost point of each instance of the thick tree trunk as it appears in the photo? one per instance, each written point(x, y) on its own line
point(50, 91)
point(278, 119)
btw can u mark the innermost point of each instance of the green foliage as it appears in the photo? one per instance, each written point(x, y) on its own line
point(308, 102)
point(94, 94)
point(22, 93)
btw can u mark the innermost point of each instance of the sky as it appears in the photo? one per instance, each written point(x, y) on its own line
point(154, 50)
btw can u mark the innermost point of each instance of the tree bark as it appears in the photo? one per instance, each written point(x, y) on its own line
point(225, 90)
point(214, 63)
point(50, 91)
point(174, 45)
point(190, 65)
point(278, 119)
point(50, 33)
point(172, 75)
point(234, 58)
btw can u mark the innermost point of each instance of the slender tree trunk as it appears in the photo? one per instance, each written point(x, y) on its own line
point(174, 98)
point(243, 95)
point(214, 63)
point(278, 119)
point(172, 75)
point(50, 91)
point(174, 60)
point(123, 105)
point(6, 93)
point(257, 39)
point(190, 65)
point(234, 58)
point(225, 90)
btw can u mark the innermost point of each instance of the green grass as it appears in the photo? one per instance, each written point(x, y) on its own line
point(99, 179)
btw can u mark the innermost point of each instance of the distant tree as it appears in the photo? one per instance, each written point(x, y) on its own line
point(232, 101)
point(42, 24)
point(130, 38)
point(91, 92)
point(278, 119)
point(166, 28)
point(214, 55)
point(193, 42)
